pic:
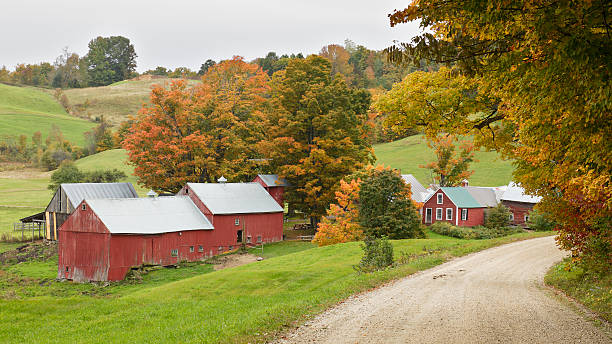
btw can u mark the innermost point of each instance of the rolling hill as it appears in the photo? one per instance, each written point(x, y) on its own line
point(26, 110)
point(407, 154)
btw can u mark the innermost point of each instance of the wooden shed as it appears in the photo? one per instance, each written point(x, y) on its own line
point(274, 185)
point(104, 238)
point(240, 212)
point(69, 196)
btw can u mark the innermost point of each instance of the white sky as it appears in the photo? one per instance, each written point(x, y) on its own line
point(187, 32)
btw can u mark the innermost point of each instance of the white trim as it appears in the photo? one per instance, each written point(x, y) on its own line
point(451, 214)
point(457, 214)
point(441, 214)
point(466, 214)
point(440, 197)
point(511, 216)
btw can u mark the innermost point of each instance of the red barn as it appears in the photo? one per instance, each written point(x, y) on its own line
point(519, 202)
point(104, 238)
point(274, 185)
point(240, 212)
point(454, 205)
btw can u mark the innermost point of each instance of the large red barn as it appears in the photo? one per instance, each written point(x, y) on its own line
point(240, 212)
point(454, 205)
point(104, 238)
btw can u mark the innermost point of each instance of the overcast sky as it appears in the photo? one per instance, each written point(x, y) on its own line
point(184, 33)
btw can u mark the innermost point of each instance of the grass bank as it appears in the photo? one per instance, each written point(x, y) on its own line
point(592, 291)
point(250, 303)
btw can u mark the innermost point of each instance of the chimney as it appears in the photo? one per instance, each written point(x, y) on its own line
point(465, 183)
point(222, 180)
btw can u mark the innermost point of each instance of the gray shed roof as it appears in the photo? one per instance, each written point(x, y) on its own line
point(153, 215)
point(273, 180)
point(77, 192)
point(483, 195)
point(419, 193)
point(516, 193)
point(235, 198)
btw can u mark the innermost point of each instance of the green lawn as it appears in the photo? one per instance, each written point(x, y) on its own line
point(114, 158)
point(593, 291)
point(409, 153)
point(26, 110)
point(249, 303)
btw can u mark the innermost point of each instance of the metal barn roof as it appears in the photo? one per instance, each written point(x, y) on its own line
point(153, 215)
point(273, 180)
point(516, 193)
point(235, 198)
point(483, 195)
point(77, 192)
point(419, 193)
point(459, 196)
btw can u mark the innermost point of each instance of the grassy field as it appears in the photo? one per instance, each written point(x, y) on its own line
point(407, 154)
point(117, 101)
point(25, 110)
point(25, 195)
point(594, 292)
point(249, 303)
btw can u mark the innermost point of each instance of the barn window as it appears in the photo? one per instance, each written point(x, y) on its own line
point(186, 190)
point(526, 218)
point(220, 248)
point(248, 239)
point(449, 213)
point(511, 217)
point(83, 206)
point(440, 199)
point(67, 269)
point(237, 221)
point(200, 248)
point(259, 238)
point(174, 253)
point(439, 213)
point(464, 213)
point(191, 249)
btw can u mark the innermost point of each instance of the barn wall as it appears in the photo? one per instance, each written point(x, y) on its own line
point(277, 192)
point(519, 209)
point(475, 217)
point(186, 191)
point(268, 225)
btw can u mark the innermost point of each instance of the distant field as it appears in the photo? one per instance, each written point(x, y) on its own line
point(117, 101)
point(26, 110)
point(407, 154)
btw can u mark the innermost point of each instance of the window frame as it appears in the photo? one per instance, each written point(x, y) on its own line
point(464, 214)
point(237, 221)
point(200, 248)
point(439, 198)
point(451, 214)
point(83, 206)
point(259, 239)
point(511, 216)
point(191, 249)
point(440, 212)
point(174, 252)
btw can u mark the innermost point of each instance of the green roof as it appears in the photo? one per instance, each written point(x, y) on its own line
point(461, 197)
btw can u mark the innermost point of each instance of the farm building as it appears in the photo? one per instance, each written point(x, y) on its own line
point(519, 202)
point(69, 196)
point(274, 185)
point(105, 238)
point(486, 196)
point(240, 212)
point(454, 205)
point(419, 193)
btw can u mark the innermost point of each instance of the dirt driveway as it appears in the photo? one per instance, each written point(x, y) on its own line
point(495, 296)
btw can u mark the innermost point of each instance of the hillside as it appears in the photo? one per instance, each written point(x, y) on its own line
point(26, 110)
point(117, 101)
point(407, 154)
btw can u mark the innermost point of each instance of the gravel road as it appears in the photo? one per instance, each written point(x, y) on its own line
point(495, 296)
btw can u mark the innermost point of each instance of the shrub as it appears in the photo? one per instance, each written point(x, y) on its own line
point(540, 221)
point(377, 255)
point(69, 173)
point(498, 217)
point(478, 232)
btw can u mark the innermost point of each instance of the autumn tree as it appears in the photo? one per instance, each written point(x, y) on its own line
point(315, 135)
point(548, 65)
point(451, 166)
point(339, 58)
point(342, 221)
point(202, 133)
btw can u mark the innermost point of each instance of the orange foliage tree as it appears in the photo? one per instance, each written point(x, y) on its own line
point(450, 167)
point(201, 133)
point(342, 221)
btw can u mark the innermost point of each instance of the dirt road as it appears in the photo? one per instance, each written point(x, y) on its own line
point(495, 296)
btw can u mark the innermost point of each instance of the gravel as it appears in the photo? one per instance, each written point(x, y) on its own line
point(494, 296)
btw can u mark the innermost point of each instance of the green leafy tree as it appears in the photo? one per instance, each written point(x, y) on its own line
point(206, 66)
point(498, 217)
point(315, 134)
point(66, 173)
point(540, 221)
point(110, 59)
point(385, 206)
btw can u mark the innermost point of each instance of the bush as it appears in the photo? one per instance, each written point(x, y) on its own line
point(69, 173)
point(478, 232)
point(377, 255)
point(498, 217)
point(540, 221)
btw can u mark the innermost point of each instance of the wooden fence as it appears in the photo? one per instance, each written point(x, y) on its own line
point(37, 229)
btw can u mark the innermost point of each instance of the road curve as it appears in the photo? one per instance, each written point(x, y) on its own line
point(494, 296)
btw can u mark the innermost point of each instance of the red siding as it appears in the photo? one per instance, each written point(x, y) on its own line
point(277, 192)
point(519, 210)
point(475, 215)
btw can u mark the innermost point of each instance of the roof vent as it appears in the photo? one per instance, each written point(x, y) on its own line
point(465, 183)
point(151, 194)
point(222, 180)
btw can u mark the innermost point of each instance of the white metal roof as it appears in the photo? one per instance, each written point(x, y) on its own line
point(77, 192)
point(516, 193)
point(273, 180)
point(419, 192)
point(153, 215)
point(235, 198)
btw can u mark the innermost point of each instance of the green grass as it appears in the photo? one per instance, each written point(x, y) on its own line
point(26, 110)
point(249, 303)
point(409, 153)
point(594, 292)
point(281, 248)
point(114, 158)
point(116, 101)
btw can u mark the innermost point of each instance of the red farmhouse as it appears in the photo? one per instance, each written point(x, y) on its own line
point(274, 185)
point(240, 212)
point(454, 205)
point(519, 202)
point(104, 238)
